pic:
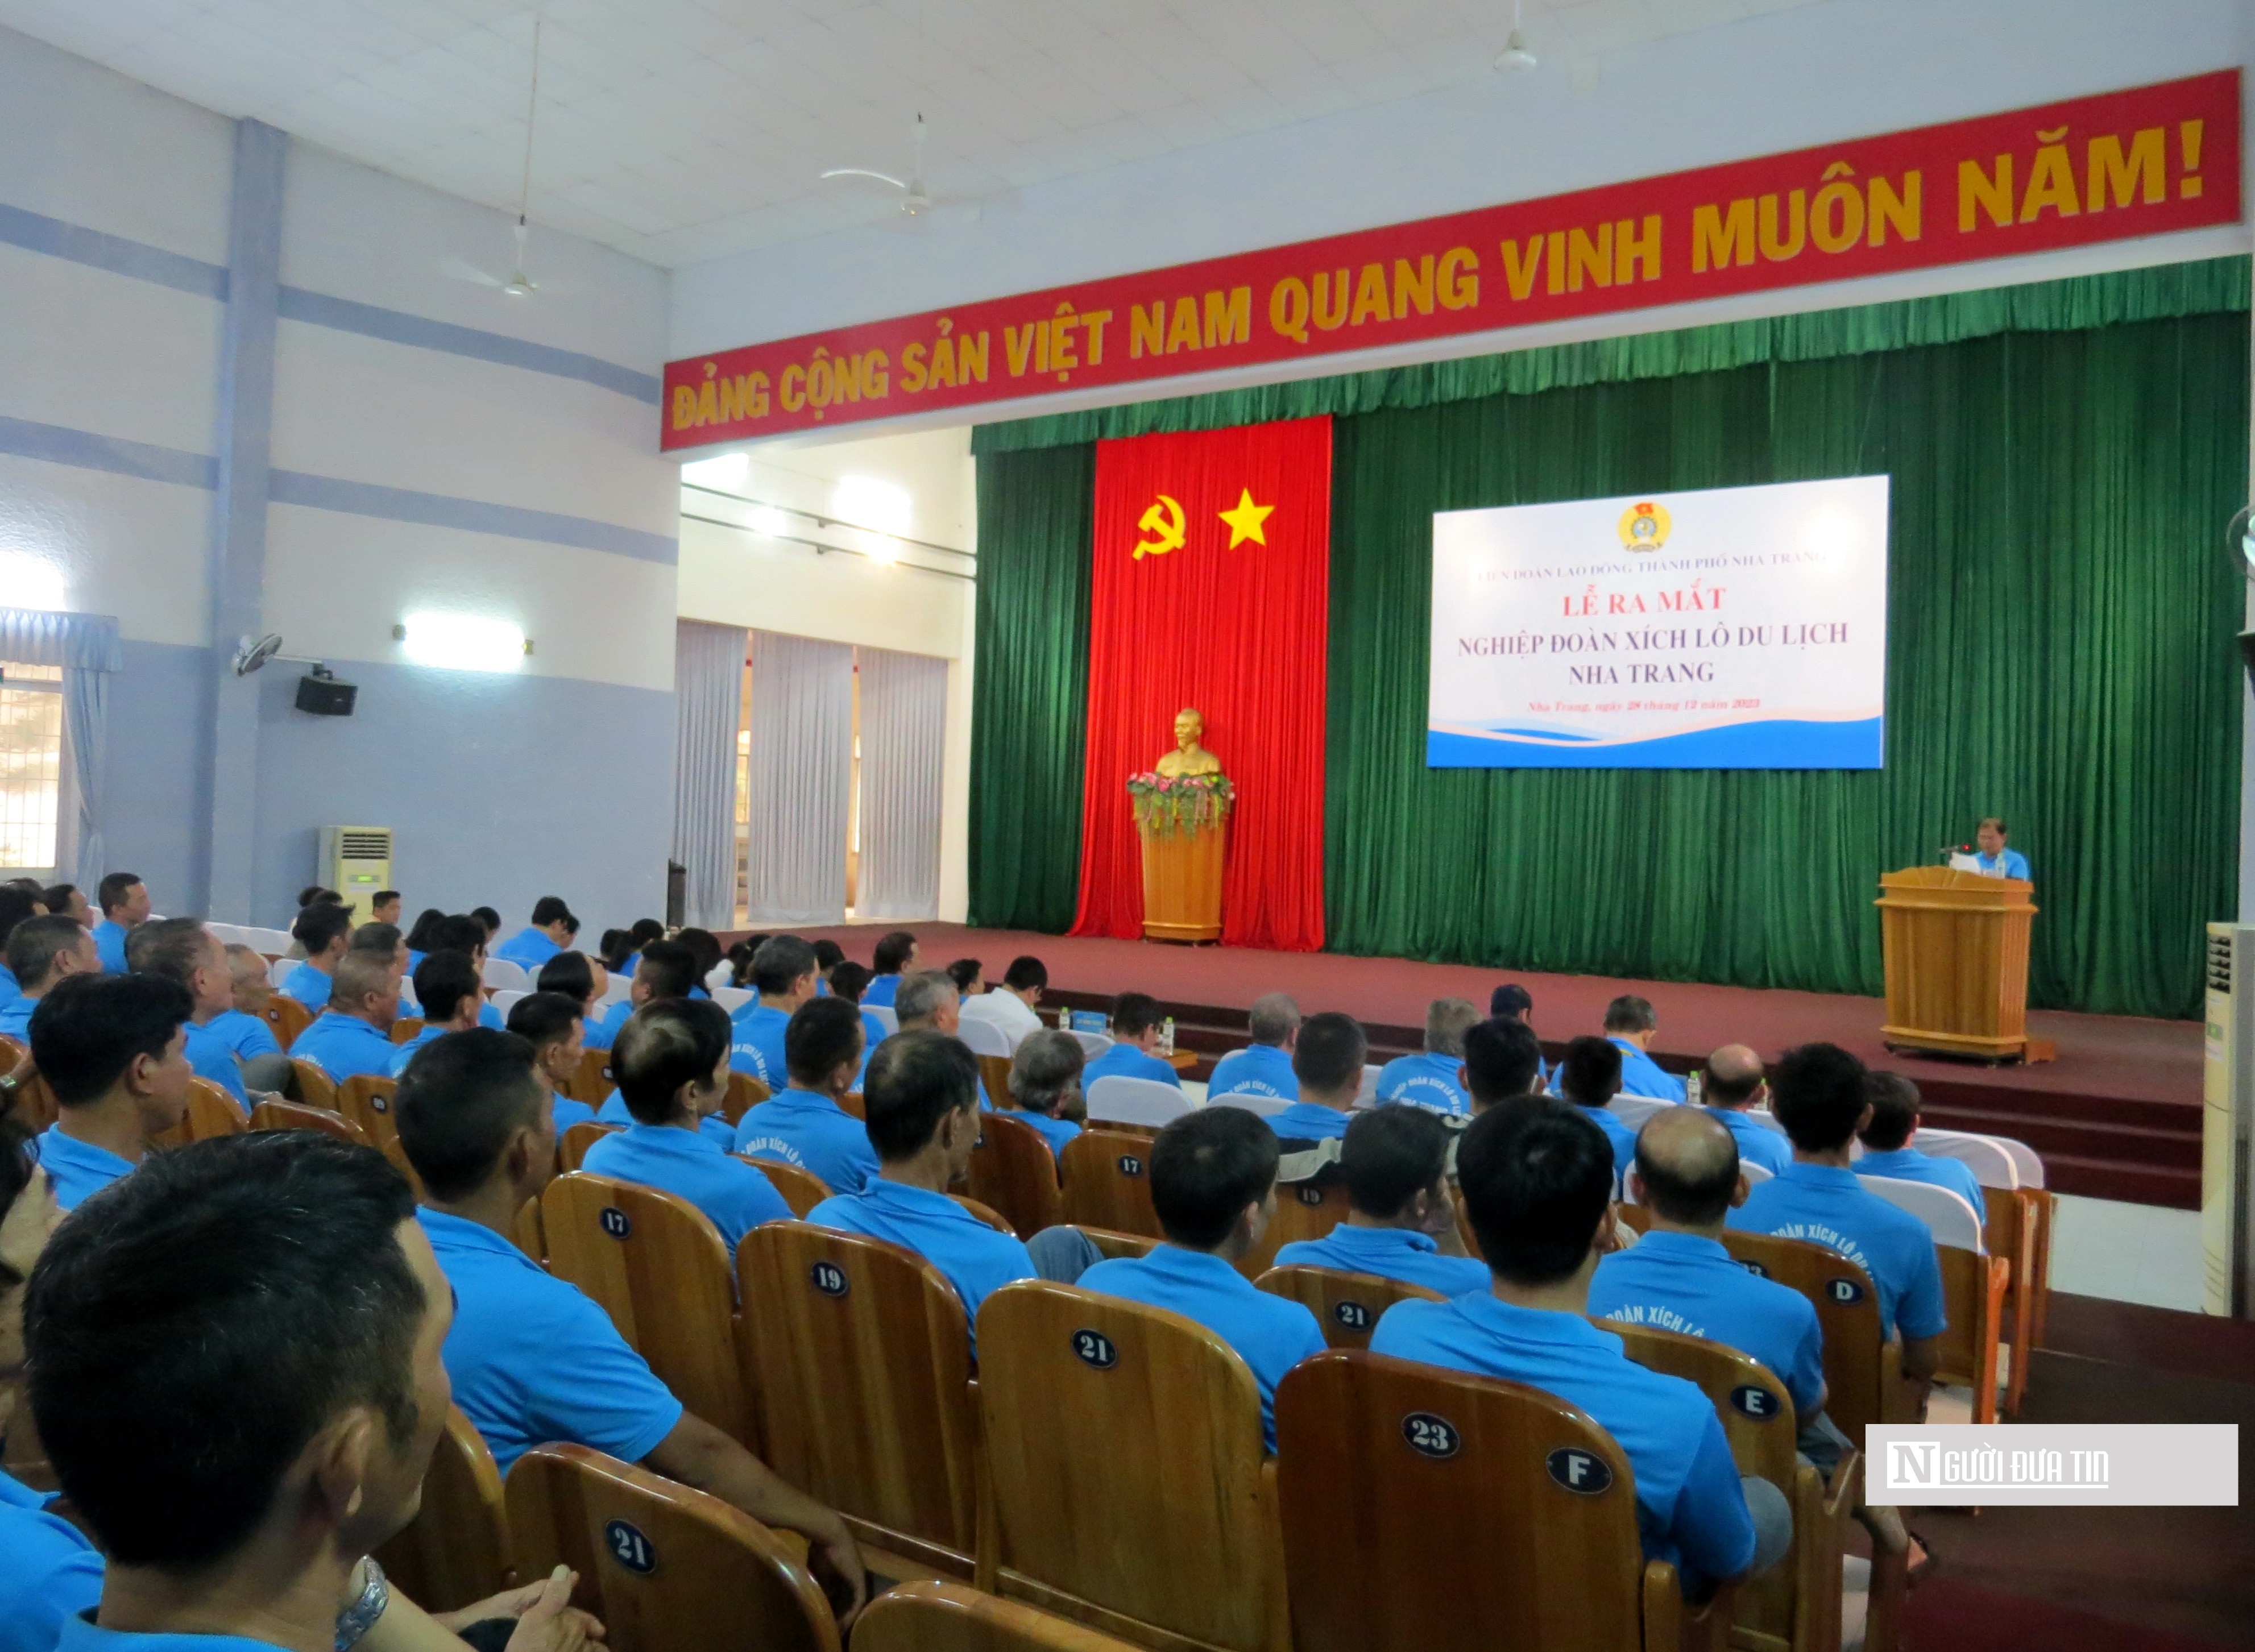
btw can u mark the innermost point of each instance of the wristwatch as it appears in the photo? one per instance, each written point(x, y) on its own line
point(360, 1617)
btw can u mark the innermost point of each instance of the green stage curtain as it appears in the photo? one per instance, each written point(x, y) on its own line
point(1029, 686)
point(2061, 653)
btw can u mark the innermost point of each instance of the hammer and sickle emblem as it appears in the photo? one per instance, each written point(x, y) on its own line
point(1162, 518)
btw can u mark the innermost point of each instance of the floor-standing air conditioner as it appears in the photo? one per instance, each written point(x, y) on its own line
point(357, 862)
point(2228, 1087)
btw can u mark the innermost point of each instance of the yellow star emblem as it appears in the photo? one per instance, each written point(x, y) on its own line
point(1245, 521)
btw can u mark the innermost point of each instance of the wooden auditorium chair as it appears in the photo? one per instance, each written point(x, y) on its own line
point(281, 1115)
point(572, 1147)
point(1128, 1485)
point(934, 1616)
point(211, 1112)
point(1346, 1305)
point(286, 1017)
point(1013, 1170)
point(404, 1029)
point(367, 1099)
point(592, 1083)
point(528, 1233)
point(456, 1550)
point(2016, 1217)
point(13, 1055)
point(745, 1093)
point(1108, 1182)
point(801, 1189)
point(850, 1104)
point(1380, 1461)
point(657, 1264)
point(313, 1086)
point(861, 1355)
point(1110, 1243)
point(1305, 1210)
point(1795, 1605)
point(1973, 1286)
point(666, 1568)
point(1863, 1372)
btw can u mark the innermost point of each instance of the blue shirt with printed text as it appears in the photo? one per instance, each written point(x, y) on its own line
point(1683, 1283)
point(1826, 1206)
point(345, 1046)
point(693, 1165)
point(1258, 1069)
point(802, 1128)
point(1642, 1075)
point(1426, 1080)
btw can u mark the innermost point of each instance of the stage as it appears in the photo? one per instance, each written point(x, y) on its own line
point(2117, 1116)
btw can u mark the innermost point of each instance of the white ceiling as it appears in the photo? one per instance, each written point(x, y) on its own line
point(678, 130)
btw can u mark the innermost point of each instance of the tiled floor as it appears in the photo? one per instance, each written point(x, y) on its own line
point(2132, 1253)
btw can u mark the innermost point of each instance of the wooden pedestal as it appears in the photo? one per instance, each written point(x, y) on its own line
point(1956, 946)
point(1182, 884)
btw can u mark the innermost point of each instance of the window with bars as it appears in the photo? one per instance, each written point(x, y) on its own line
point(31, 766)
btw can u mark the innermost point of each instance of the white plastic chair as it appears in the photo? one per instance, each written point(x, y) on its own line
point(984, 1038)
point(1632, 1110)
point(1094, 1044)
point(1755, 1174)
point(1766, 1119)
point(886, 1017)
point(1136, 1101)
point(1988, 1160)
point(620, 990)
point(1955, 1222)
point(2026, 1164)
point(268, 940)
point(278, 971)
point(1267, 1106)
point(729, 998)
point(500, 973)
point(1366, 1093)
point(718, 976)
point(228, 935)
point(507, 999)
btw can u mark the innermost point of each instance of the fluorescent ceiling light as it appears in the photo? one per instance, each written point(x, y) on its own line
point(865, 502)
point(463, 642)
point(30, 582)
point(726, 473)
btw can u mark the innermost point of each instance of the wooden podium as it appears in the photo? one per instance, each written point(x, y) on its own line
point(1956, 945)
point(1181, 882)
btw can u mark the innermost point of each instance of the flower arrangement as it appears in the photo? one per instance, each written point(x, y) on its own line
point(1166, 804)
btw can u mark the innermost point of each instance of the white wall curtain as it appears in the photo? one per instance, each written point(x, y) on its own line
point(802, 759)
point(708, 699)
point(903, 738)
point(85, 646)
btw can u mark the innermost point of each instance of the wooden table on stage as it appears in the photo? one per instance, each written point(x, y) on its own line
point(1956, 944)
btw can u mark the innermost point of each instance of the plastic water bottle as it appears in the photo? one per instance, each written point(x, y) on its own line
point(1167, 1037)
point(1691, 1088)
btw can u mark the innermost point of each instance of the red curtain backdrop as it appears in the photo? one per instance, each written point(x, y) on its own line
point(1239, 632)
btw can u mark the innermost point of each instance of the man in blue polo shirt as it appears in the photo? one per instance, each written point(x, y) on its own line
point(549, 933)
point(1538, 1183)
point(1589, 1077)
point(182, 949)
point(1629, 1025)
point(113, 1050)
point(531, 1358)
point(923, 1099)
point(895, 957)
point(784, 976)
point(663, 969)
point(1135, 1025)
point(1819, 1099)
point(805, 1125)
point(1213, 1186)
point(125, 908)
point(1887, 1151)
point(849, 981)
point(447, 986)
point(1995, 859)
point(243, 1026)
point(1045, 1086)
point(550, 1022)
point(1512, 1002)
point(1327, 1061)
point(324, 930)
point(586, 982)
point(1730, 1087)
point(1401, 1221)
point(1503, 1062)
point(466, 934)
point(1264, 1066)
point(928, 1002)
point(671, 1063)
point(352, 1036)
point(1432, 1080)
point(42, 951)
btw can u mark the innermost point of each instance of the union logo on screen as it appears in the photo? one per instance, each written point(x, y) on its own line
point(1644, 526)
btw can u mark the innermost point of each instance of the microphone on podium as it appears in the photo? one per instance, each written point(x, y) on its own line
point(1948, 849)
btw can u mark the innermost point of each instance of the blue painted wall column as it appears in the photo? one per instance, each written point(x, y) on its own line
point(238, 559)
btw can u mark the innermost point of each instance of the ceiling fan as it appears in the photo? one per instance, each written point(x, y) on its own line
point(918, 209)
point(518, 284)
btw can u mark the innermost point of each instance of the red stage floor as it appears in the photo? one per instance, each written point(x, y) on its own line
point(2116, 1116)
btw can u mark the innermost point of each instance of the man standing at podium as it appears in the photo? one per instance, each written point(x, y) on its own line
point(1995, 859)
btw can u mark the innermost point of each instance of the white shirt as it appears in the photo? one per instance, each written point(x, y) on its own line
point(1004, 1009)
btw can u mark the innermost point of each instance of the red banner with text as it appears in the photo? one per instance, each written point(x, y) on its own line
point(2118, 165)
point(1212, 592)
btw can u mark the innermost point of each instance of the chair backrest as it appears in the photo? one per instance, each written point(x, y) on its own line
point(618, 990)
point(1766, 1119)
point(1987, 1157)
point(13, 1055)
point(507, 999)
point(1168, 1526)
point(270, 941)
point(366, 1100)
point(593, 1083)
point(983, 1037)
point(1954, 1223)
point(1632, 1110)
point(286, 1017)
point(1136, 1101)
point(2026, 1163)
point(25, 1098)
point(850, 1104)
point(314, 1087)
point(405, 1028)
point(499, 973)
point(528, 1233)
point(1305, 1210)
point(1365, 1094)
point(887, 1017)
point(801, 1189)
point(1756, 1411)
point(1377, 1456)
point(731, 998)
point(211, 1112)
point(1755, 1174)
point(657, 1264)
point(861, 1355)
point(278, 971)
point(1110, 1243)
point(995, 1074)
point(932, 1616)
point(456, 1550)
point(1346, 1305)
point(1013, 1170)
point(280, 1115)
point(1859, 1366)
point(666, 1568)
point(1244, 1100)
point(1091, 1044)
point(1108, 1182)
point(745, 1093)
point(577, 1138)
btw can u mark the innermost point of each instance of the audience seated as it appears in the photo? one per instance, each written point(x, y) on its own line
point(531, 1357)
point(552, 1024)
point(317, 894)
point(1264, 1066)
point(446, 987)
point(324, 929)
point(113, 1050)
point(41, 952)
point(1327, 1059)
point(352, 1036)
point(1893, 1100)
point(1011, 1005)
point(1818, 1096)
point(125, 900)
point(243, 1027)
point(384, 906)
point(419, 938)
point(671, 1063)
point(1537, 1184)
point(68, 900)
point(712, 964)
point(668, 971)
point(1402, 1219)
point(1732, 1083)
point(804, 1124)
point(182, 949)
point(1432, 1080)
point(895, 955)
point(1630, 1024)
point(828, 954)
point(927, 1001)
point(382, 941)
point(1135, 1025)
point(583, 981)
point(923, 1120)
point(550, 931)
point(784, 975)
point(1213, 1187)
point(17, 903)
point(465, 933)
point(969, 975)
point(1512, 1002)
point(488, 920)
point(1045, 1086)
point(1589, 1077)
point(849, 981)
point(1503, 1062)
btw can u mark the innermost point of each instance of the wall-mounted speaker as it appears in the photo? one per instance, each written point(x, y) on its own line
point(324, 696)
